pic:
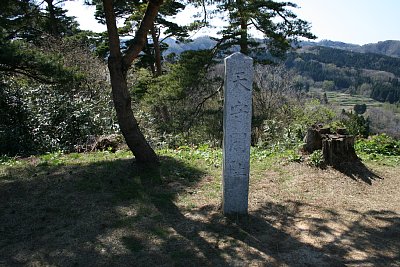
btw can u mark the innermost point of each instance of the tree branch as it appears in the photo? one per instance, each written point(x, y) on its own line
point(198, 108)
point(36, 77)
point(140, 37)
point(113, 37)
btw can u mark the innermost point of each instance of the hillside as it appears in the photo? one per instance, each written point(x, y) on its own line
point(363, 70)
point(373, 75)
point(387, 48)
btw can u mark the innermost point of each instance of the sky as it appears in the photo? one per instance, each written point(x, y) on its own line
point(350, 21)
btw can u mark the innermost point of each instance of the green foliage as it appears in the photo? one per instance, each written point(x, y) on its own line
point(360, 109)
point(211, 156)
point(131, 14)
point(311, 113)
point(8, 161)
point(52, 159)
point(367, 74)
point(19, 57)
point(15, 131)
point(294, 156)
point(182, 105)
point(42, 112)
point(328, 85)
point(18, 20)
point(275, 20)
point(355, 124)
point(380, 145)
point(316, 159)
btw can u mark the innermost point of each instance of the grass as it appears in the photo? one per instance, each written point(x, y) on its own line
point(99, 209)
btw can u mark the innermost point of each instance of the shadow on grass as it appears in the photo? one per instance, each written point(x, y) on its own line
point(357, 171)
point(112, 213)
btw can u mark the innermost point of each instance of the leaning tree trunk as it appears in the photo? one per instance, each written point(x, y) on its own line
point(126, 120)
point(118, 66)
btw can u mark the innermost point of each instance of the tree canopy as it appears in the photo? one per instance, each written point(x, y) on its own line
point(275, 20)
point(46, 77)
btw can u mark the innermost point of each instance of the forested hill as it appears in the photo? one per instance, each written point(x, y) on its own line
point(344, 58)
point(367, 70)
point(368, 74)
point(388, 47)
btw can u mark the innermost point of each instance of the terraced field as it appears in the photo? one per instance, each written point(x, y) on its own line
point(344, 100)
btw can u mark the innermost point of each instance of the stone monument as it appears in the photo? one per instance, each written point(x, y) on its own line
point(237, 133)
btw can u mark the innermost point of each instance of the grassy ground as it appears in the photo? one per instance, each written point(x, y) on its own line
point(99, 209)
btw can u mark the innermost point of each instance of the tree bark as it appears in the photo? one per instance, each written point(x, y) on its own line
point(338, 149)
point(141, 35)
point(118, 66)
point(243, 42)
point(52, 18)
point(157, 50)
point(243, 37)
point(313, 138)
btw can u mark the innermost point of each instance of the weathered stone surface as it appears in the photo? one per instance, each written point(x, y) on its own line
point(237, 133)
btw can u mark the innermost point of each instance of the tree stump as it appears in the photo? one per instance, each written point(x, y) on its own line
point(336, 147)
point(313, 138)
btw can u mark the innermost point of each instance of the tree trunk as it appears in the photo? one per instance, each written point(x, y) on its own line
point(243, 42)
point(148, 51)
point(157, 50)
point(118, 66)
point(243, 36)
point(313, 138)
point(126, 120)
point(52, 18)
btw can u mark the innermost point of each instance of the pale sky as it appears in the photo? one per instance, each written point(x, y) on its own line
point(350, 21)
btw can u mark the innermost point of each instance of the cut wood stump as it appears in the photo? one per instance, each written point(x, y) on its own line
point(313, 139)
point(336, 147)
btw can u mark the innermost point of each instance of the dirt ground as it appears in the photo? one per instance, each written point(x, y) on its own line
point(100, 215)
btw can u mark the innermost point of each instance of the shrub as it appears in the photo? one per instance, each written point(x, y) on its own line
point(316, 159)
point(183, 105)
point(39, 116)
point(381, 144)
point(355, 124)
point(294, 156)
point(15, 130)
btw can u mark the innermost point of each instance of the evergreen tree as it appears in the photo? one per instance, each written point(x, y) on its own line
point(132, 13)
point(55, 21)
point(279, 25)
point(280, 35)
point(360, 109)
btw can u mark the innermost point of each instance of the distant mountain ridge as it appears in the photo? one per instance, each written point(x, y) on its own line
point(388, 48)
